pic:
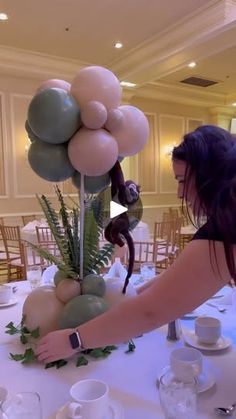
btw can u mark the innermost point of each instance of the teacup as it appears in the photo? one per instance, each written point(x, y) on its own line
point(90, 400)
point(186, 363)
point(208, 329)
point(5, 293)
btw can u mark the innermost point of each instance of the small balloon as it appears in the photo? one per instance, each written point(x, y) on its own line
point(115, 119)
point(92, 152)
point(92, 184)
point(54, 115)
point(47, 84)
point(99, 84)
point(93, 115)
point(133, 134)
point(50, 162)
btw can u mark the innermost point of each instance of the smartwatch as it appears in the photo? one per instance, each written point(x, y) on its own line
point(75, 340)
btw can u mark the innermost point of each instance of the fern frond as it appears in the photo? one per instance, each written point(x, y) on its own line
point(43, 253)
point(66, 224)
point(103, 257)
point(55, 227)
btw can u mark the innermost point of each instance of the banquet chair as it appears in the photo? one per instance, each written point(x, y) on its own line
point(44, 235)
point(14, 252)
point(28, 218)
point(167, 238)
point(148, 252)
point(47, 241)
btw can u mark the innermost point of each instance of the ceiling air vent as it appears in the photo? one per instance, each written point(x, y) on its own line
point(198, 81)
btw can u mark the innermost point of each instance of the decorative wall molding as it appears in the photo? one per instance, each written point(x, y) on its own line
point(192, 123)
point(171, 129)
point(147, 159)
point(4, 176)
point(21, 62)
point(167, 51)
point(14, 139)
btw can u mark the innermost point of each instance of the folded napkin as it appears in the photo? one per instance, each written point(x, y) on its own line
point(117, 270)
point(31, 225)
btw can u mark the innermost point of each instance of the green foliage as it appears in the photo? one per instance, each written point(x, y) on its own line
point(65, 230)
point(26, 337)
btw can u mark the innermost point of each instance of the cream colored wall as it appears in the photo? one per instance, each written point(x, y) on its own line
point(152, 167)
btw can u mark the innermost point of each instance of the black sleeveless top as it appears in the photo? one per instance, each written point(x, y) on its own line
point(209, 231)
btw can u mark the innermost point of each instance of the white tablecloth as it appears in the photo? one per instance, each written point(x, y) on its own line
point(131, 377)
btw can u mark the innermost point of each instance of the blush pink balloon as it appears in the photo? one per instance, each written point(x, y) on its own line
point(97, 84)
point(92, 152)
point(48, 84)
point(114, 120)
point(93, 115)
point(133, 133)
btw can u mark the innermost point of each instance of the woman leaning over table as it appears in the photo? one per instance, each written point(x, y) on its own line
point(204, 165)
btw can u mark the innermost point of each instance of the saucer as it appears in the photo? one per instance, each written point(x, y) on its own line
point(205, 381)
point(11, 302)
point(192, 340)
point(115, 411)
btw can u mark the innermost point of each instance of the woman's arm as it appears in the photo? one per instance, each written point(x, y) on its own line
point(190, 280)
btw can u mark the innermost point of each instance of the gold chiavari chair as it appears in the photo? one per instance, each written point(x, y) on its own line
point(167, 238)
point(14, 252)
point(47, 241)
point(148, 252)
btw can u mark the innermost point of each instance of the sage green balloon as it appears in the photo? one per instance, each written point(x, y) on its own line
point(81, 309)
point(30, 133)
point(49, 161)
point(92, 184)
point(94, 285)
point(54, 115)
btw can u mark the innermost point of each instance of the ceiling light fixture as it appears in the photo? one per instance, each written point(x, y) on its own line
point(192, 64)
point(127, 84)
point(3, 16)
point(118, 45)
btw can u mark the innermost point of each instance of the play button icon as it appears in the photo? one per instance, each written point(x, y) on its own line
point(116, 209)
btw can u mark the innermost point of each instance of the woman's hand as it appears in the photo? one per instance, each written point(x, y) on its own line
point(55, 346)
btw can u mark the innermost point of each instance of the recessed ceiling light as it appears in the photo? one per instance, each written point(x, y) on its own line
point(127, 84)
point(192, 64)
point(234, 104)
point(3, 16)
point(118, 45)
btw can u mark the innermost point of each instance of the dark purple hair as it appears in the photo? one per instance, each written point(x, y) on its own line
point(210, 156)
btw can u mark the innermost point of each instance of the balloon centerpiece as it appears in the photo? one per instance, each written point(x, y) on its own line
point(80, 131)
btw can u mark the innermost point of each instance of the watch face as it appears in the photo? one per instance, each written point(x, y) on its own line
point(74, 341)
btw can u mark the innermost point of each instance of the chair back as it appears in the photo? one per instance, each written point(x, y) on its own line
point(44, 235)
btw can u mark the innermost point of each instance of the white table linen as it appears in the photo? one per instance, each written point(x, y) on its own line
point(131, 377)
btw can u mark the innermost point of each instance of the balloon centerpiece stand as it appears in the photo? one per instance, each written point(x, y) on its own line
point(80, 131)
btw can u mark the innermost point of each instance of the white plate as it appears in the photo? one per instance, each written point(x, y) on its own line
point(192, 340)
point(194, 314)
point(116, 411)
point(11, 302)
